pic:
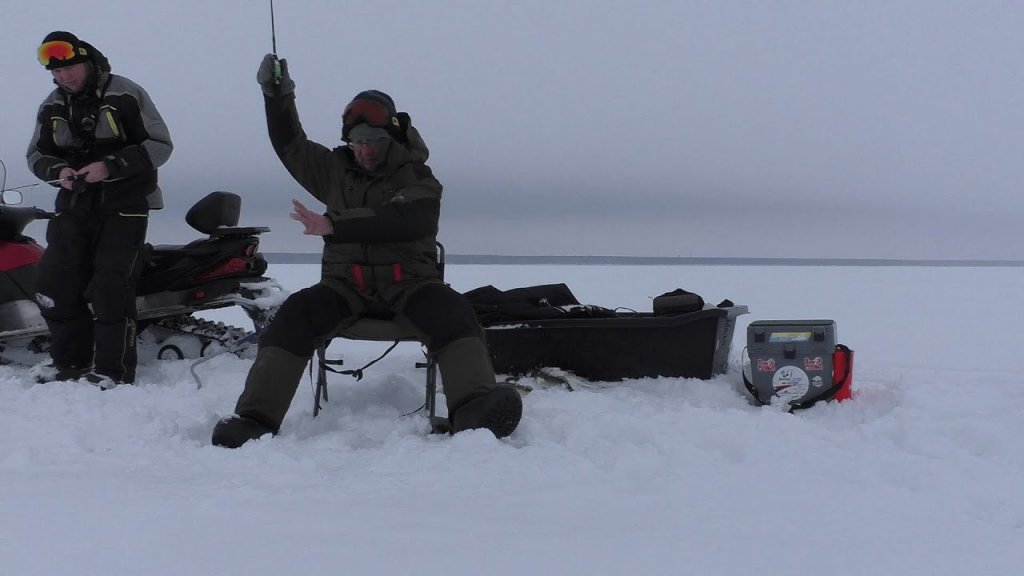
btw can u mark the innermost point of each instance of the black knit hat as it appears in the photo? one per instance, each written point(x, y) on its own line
point(371, 107)
point(81, 51)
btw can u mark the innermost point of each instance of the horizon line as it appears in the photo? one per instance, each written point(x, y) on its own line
point(502, 259)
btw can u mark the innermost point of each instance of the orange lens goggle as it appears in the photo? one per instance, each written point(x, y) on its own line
point(58, 49)
point(373, 113)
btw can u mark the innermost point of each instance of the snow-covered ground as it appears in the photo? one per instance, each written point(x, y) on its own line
point(921, 473)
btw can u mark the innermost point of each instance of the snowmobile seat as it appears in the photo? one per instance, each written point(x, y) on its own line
point(381, 327)
point(13, 220)
point(215, 215)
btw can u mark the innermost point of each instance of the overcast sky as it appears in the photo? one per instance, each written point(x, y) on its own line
point(712, 128)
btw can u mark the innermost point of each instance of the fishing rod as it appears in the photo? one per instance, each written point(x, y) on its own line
point(3, 181)
point(57, 181)
point(273, 46)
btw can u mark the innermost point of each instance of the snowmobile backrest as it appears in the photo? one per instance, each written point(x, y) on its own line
point(215, 210)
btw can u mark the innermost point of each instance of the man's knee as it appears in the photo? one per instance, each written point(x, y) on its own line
point(305, 317)
point(442, 314)
point(113, 298)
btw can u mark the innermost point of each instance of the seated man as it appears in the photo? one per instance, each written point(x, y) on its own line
point(379, 232)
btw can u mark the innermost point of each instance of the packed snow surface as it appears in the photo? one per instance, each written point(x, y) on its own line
point(920, 473)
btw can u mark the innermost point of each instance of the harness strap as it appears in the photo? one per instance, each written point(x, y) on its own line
point(357, 275)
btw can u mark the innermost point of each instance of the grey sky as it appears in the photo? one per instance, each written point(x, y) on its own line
point(788, 128)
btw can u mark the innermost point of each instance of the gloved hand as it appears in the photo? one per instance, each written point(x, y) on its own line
point(272, 86)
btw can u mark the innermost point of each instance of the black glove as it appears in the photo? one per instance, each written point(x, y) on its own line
point(274, 82)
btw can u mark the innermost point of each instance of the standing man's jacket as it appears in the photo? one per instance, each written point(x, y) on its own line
point(385, 224)
point(113, 120)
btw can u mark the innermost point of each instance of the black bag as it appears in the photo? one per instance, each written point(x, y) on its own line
point(533, 302)
point(678, 301)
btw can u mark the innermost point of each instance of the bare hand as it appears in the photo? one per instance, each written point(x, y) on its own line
point(65, 176)
point(314, 224)
point(95, 172)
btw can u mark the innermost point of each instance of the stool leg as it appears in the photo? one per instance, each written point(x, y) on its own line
point(431, 400)
point(321, 379)
point(438, 425)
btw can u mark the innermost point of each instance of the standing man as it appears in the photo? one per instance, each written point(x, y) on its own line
point(102, 139)
point(380, 250)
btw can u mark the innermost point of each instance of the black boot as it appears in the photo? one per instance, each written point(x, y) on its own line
point(234, 430)
point(499, 410)
point(65, 373)
point(101, 381)
point(54, 372)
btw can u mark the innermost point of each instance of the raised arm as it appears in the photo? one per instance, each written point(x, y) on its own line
point(307, 161)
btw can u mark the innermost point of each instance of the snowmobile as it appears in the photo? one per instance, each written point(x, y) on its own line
point(223, 269)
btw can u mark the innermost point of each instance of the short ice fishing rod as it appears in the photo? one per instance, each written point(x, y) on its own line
point(3, 181)
point(23, 186)
point(273, 46)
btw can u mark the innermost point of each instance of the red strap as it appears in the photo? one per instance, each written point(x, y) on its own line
point(396, 272)
point(357, 275)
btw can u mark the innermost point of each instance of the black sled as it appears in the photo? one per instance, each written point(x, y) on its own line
point(543, 327)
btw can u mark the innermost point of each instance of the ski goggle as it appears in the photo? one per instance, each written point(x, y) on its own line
point(373, 113)
point(56, 49)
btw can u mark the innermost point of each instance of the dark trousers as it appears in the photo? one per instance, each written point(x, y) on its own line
point(97, 258)
point(435, 311)
point(441, 318)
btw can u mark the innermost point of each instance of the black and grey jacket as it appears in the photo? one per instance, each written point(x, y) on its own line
point(114, 120)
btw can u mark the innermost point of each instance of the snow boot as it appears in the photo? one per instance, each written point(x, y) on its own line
point(101, 381)
point(270, 385)
point(233, 431)
point(65, 373)
point(53, 372)
point(466, 371)
point(499, 410)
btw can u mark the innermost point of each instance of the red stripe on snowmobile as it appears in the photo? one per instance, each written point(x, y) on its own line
point(16, 255)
